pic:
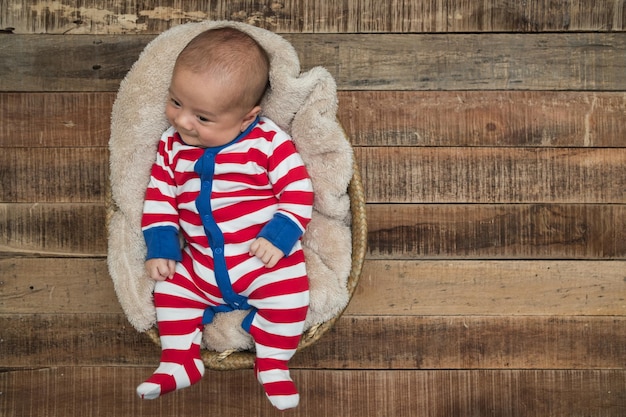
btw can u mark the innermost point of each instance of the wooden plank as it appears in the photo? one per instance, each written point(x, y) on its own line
point(493, 175)
point(490, 288)
point(395, 231)
point(564, 61)
point(155, 16)
point(59, 175)
point(390, 175)
point(370, 118)
point(486, 118)
point(355, 342)
point(496, 16)
point(500, 231)
point(53, 229)
point(110, 391)
point(49, 285)
point(469, 342)
point(56, 340)
point(55, 119)
point(68, 63)
point(52, 285)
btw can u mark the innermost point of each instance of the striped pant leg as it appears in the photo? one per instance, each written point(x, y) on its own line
point(179, 307)
point(276, 328)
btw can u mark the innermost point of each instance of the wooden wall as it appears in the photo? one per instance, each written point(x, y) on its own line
point(491, 138)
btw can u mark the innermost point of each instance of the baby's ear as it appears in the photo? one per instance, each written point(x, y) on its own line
point(249, 117)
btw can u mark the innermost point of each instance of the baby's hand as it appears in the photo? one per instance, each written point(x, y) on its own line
point(266, 252)
point(160, 269)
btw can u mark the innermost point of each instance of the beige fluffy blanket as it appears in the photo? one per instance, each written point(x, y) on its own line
point(304, 104)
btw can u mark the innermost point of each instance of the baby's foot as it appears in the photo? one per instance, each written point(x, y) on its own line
point(169, 377)
point(278, 386)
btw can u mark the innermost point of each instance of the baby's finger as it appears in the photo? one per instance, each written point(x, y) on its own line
point(172, 268)
point(266, 258)
point(164, 271)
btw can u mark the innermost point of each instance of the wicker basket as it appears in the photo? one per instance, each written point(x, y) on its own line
point(137, 119)
point(231, 360)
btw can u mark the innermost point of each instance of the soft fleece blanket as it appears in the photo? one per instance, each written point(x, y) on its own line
point(303, 104)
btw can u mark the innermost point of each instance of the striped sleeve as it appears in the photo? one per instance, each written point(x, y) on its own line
point(294, 190)
point(159, 222)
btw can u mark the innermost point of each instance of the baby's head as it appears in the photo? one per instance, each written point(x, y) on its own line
point(217, 85)
point(232, 57)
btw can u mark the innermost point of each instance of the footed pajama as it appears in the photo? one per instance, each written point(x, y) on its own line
point(278, 309)
point(222, 199)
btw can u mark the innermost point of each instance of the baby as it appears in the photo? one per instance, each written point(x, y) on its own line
point(232, 183)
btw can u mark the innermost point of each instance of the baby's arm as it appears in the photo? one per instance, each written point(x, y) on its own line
point(266, 252)
point(160, 269)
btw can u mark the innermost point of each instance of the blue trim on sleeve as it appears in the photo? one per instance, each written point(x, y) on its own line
point(162, 242)
point(282, 232)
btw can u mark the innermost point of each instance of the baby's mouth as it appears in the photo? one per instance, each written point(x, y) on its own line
point(185, 135)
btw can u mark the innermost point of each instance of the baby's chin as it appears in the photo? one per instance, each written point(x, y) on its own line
point(190, 139)
point(195, 140)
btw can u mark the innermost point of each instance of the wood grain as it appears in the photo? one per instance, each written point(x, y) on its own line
point(62, 229)
point(524, 288)
point(486, 118)
point(55, 120)
point(109, 391)
point(56, 285)
point(390, 175)
point(563, 61)
point(59, 175)
point(315, 16)
point(492, 175)
point(370, 118)
point(500, 231)
point(487, 16)
point(418, 288)
point(490, 136)
point(396, 231)
point(355, 342)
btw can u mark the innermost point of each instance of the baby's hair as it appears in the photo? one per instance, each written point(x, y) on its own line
point(232, 56)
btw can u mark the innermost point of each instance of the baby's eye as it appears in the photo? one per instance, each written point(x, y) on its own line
point(174, 102)
point(202, 119)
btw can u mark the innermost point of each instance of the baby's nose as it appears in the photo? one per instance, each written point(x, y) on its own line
point(183, 120)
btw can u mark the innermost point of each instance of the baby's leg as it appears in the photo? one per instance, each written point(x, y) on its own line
point(179, 314)
point(276, 329)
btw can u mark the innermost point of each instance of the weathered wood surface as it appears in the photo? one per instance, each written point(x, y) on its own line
point(570, 61)
point(496, 231)
point(50, 230)
point(355, 342)
point(62, 175)
point(314, 16)
point(491, 287)
point(109, 391)
point(484, 118)
point(493, 162)
point(493, 175)
point(50, 120)
point(396, 231)
point(370, 118)
point(386, 287)
point(390, 175)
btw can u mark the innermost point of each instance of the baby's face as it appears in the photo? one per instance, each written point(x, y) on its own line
point(196, 108)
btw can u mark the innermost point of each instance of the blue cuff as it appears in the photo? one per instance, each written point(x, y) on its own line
point(282, 232)
point(162, 242)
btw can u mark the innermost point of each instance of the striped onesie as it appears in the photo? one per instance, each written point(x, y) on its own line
point(221, 199)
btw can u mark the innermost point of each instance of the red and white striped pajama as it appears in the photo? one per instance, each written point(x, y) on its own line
point(221, 199)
